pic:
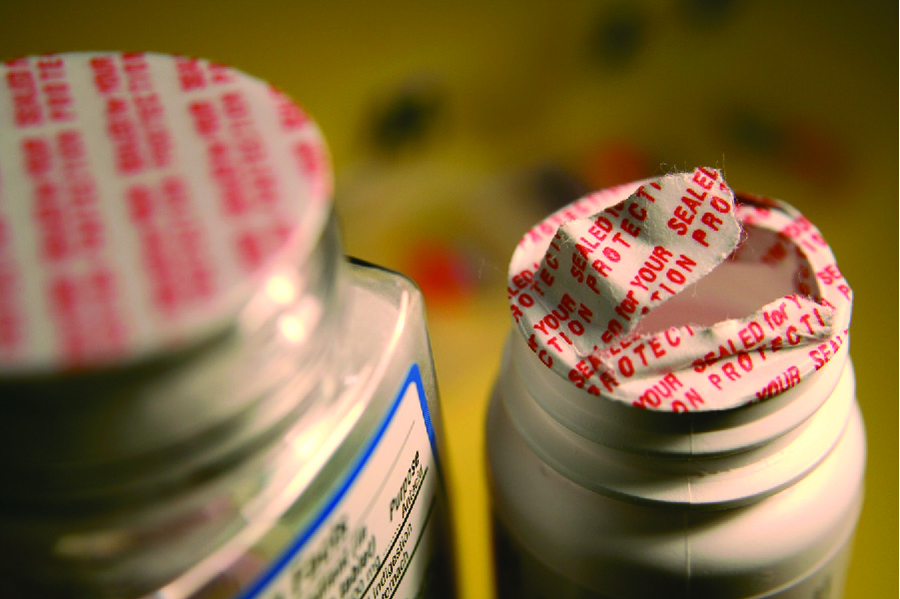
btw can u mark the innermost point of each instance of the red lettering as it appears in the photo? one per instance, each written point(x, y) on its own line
point(106, 78)
point(701, 180)
point(791, 335)
point(37, 155)
point(711, 220)
point(682, 214)
point(26, 107)
point(291, 116)
point(642, 193)
point(601, 267)
point(678, 226)
point(720, 205)
point(636, 211)
point(608, 380)
point(190, 76)
point(729, 370)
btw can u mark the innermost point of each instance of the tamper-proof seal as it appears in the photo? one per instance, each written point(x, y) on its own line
point(142, 197)
point(581, 282)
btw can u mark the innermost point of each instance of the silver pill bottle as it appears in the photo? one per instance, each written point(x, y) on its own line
point(203, 398)
point(660, 496)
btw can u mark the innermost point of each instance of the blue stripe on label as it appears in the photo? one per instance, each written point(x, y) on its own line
point(413, 376)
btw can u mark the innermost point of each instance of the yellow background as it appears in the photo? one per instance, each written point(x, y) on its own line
point(794, 100)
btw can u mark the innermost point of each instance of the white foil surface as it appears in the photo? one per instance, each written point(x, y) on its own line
point(584, 284)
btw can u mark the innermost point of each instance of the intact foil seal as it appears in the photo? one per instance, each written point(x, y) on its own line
point(587, 284)
point(142, 197)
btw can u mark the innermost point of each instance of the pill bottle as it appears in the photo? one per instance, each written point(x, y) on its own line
point(708, 445)
point(202, 397)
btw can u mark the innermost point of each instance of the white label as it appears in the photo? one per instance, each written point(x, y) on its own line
point(371, 540)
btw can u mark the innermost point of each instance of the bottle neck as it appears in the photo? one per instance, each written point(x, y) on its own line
point(102, 441)
point(714, 458)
